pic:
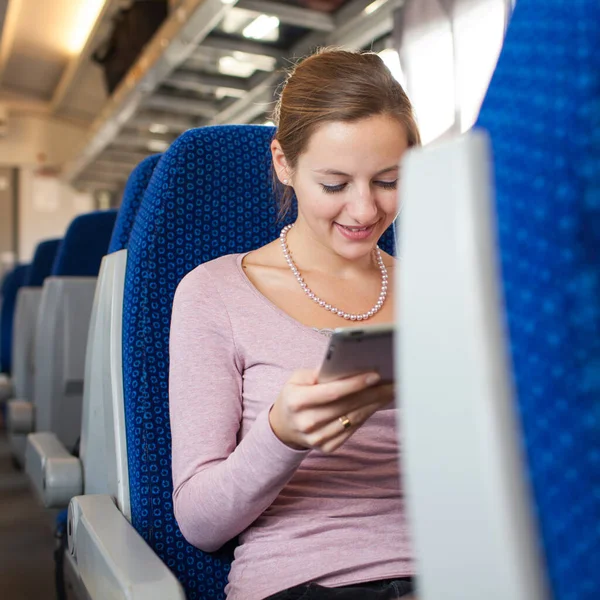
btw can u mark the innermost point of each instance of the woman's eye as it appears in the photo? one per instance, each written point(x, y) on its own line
point(332, 189)
point(387, 185)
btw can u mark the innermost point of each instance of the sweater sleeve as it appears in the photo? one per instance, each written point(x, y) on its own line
point(220, 486)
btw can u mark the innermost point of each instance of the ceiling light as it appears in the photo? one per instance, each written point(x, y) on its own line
point(84, 19)
point(157, 145)
point(158, 128)
point(374, 6)
point(228, 1)
point(228, 65)
point(261, 27)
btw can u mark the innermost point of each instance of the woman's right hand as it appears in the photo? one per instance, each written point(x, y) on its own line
point(308, 414)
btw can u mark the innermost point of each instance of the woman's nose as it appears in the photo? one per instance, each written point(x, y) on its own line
point(363, 207)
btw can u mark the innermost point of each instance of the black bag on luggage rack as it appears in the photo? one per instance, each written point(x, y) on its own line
point(133, 29)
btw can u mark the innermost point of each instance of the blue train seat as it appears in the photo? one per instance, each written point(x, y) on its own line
point(193, 211)
point(61, 335)
point(13, 280)
point(57, 474)
point(26, 314)
point(499, 357)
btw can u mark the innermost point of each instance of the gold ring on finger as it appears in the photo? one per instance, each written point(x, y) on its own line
point(345, 421)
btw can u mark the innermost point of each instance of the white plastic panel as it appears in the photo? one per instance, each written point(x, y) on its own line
point(469, 506)
point(26, 314)
point(17, 443)
point(111, 559)
point(98, 470)
point(116, 371)
point(61, 339)
point(56, 475)
point(19, 416)
point(103, 448)
point(6, 387)
point(75, 586)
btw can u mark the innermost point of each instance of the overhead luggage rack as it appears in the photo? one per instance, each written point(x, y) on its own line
point(214, 62)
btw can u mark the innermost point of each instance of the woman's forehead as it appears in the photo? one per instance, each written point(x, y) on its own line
point(374, 143)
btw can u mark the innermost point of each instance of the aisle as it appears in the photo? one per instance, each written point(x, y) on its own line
point(26, 537)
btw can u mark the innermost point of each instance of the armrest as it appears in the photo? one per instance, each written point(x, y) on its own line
point(6, 388)
point(56, 474)
point(20, 416)
point(111, 558)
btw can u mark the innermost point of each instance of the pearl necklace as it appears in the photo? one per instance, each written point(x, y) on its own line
point(322, 303)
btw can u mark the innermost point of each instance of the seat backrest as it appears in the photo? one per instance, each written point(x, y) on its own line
point(43, 259)
point(132, 197)
point(10, 288)
point(210, 195)
point(25, 318)
point(103, 455)
point(542, 112)
point(85, 243)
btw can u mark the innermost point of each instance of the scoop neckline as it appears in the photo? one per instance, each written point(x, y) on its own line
point(315, 332)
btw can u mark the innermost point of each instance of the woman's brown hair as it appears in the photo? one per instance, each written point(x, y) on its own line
point(336, 85)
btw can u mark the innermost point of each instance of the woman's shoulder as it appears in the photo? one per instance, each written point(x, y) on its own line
point(217, 273)
point(388, 260)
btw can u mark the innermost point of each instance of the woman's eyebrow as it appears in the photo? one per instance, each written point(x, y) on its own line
point(336, 172)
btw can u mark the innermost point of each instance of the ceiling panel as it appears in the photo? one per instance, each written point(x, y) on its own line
point(39, 53)
point(87, 94)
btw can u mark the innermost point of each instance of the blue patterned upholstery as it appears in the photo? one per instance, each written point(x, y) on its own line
point(43, 259)
point(132, 197)
point(210, 195)
point(543, 114)
point(85, 244)
point(10, 287)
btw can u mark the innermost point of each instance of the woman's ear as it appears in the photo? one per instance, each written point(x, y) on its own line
point(280, 163)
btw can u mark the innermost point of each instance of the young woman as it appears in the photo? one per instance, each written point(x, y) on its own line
point(305, 473)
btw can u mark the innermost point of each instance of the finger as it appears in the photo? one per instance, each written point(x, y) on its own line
point(325, 393)
point(312, 420)
point(339, 428)
point(378, 396)
point(304, 377)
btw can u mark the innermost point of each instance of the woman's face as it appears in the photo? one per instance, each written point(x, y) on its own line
point(346, 182)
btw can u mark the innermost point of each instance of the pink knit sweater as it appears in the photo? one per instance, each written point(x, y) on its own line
point(302, 516)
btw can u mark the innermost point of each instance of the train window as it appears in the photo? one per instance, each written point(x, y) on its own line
point(448, 56)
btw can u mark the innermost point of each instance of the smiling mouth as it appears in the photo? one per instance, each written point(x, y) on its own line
point(356, 229)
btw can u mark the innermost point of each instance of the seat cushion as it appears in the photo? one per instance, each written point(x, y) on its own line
point(84, 245)
point(210, 195)
point(132, 197)
point(10, 288)
point(43, 259)
point(543, 113)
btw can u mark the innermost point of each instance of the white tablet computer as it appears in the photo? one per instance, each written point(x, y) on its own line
point(355, 350)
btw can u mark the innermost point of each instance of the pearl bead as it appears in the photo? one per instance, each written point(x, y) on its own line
point(315, 298)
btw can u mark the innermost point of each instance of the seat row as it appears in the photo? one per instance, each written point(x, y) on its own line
point(497, 356)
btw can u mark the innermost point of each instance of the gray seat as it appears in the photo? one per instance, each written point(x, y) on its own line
point(56, 473)
point(61, 336)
